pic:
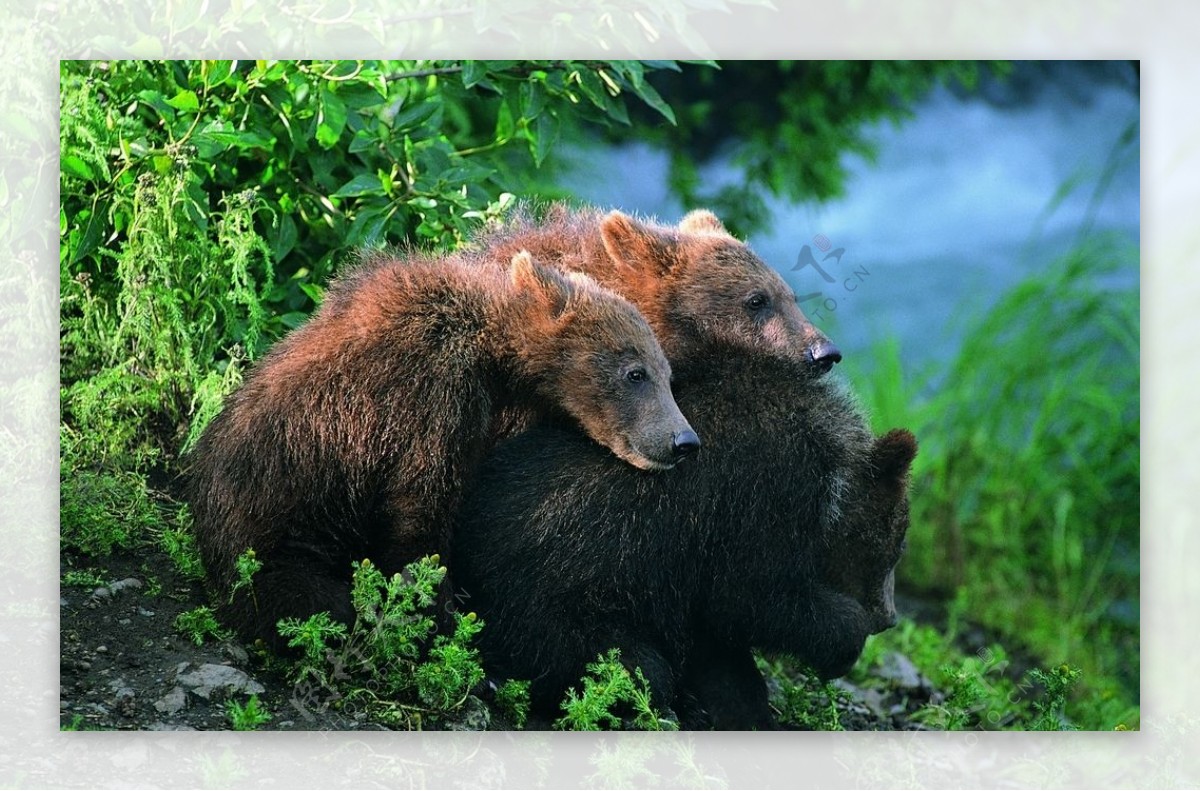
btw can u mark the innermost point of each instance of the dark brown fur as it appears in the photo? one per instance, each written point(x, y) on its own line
point(354, 436)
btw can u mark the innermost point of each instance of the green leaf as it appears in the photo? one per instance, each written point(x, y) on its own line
point(283, 238)
point(185, 101)
point(533, 100)
point(221, 136)
point(216, 72)
point(545, 134)
point(362, 184)
point(364, 140)
point(473, 71)
point(367, 227)
point(314, 291)
point(651, 97)
point(333, 119)
point(416, 115)
point(293, 319)
point(93, 233)
point(591, 87)
point(77, 167)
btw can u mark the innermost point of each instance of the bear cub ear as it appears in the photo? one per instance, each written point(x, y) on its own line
point(547, 286)
point(701, 221)
point(893, 454)
point(635, 245)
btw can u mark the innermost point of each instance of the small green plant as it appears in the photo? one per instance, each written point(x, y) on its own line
point(803, 700)
point(101, 511)
point(316, 636)
point(512, 698)
point(76, 724)
point(1049, 710)
point(180, 545)
point(391, 662)
point(248, 716)
point(246, 566)
point(608, 687)
point(199, 624)
point(83, 578)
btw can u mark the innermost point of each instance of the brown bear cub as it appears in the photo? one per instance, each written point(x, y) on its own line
point(781, 536)
point(695, 283)
point(354, 436)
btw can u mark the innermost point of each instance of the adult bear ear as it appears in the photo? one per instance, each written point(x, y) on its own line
point(892, 455)
point(701, 221)
point(632, 244)
point(547, 286)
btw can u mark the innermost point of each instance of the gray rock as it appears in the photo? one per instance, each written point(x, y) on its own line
point(900, 670)
point(222, 680)
point(125, 585)
point(125, 701)
point(108, 592)
point(236, 653)
point(473, 716)
point(872, 699)
point(173, 702)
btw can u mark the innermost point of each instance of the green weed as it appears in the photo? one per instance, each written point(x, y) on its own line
point(247, 717)
point(199, 624)
point(802, 700)
point(608, 687)
point(246, 566)
point(512, 698)
point(180, 545)
point(101, 511)
point(83, 578)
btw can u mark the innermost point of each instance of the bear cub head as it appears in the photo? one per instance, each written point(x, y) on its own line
point(706, 287)
point(593, 354)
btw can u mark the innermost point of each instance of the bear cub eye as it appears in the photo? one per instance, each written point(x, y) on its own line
point(758, 301)
point(636, 375)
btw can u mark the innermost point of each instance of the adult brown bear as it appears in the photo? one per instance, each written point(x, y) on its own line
point(354, 436)
point(780, 535)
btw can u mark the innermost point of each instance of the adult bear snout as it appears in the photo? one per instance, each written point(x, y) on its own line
point(685, 443)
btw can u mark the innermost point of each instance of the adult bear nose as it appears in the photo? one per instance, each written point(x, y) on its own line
point(686, 442)
point(824, 354)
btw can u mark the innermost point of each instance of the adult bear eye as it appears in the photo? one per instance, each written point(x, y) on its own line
point(636, 375)
point(757, 301)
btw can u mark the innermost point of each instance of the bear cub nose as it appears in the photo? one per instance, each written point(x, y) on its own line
point(825, 354)
point(686, 442)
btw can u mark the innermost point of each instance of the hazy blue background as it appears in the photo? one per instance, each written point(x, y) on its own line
point(964, 201)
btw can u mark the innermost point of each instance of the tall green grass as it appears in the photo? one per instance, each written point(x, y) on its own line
point(1025, 497)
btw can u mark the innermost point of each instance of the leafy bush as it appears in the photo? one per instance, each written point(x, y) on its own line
point(205, 203)
point(391, 662)
point(611, 691)
point(100, 511)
